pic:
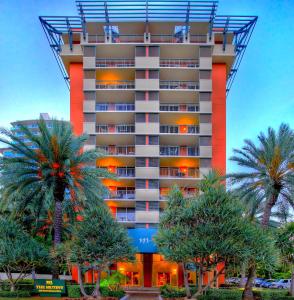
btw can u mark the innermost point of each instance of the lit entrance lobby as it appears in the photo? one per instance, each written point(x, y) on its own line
point(151, 270)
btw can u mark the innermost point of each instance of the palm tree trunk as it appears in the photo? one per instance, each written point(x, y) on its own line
point(243, 275)
point(186, 282)
point(268, 210)
point(57, 222)
point(248, 293)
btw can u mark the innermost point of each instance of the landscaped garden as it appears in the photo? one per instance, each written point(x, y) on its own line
point(53, 217)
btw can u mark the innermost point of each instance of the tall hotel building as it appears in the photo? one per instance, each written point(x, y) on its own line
point(148, 83)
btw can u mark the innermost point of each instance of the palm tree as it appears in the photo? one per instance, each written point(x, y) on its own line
point(267, 179)
point(268, 175)
point(50, 169)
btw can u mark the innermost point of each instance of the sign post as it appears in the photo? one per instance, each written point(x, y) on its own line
point(50, 288)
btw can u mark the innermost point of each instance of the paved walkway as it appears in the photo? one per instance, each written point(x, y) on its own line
point(143, 294)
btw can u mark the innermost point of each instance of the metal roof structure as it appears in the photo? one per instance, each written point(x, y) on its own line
point(149, 11)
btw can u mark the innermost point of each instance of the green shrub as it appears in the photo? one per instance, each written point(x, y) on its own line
point(15, 294)
point(119, 293)
point(22, 285)
point(73, 291)
point(222, 294)
point(168, 291)
point(270, 294)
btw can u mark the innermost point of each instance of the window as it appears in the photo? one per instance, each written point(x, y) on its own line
point(140, 74)
point(205, 118)
point(205, 163)
point(141, 118)
point(205, 96)
point(153, 140)
point(205, 74)
point(153, 74)
point(205, 141)
point(153, 51)
point(140, 96)
point(153, 184)
point(147, 162)
point(140, 139)
point(153, 118)
point(153, 95)
point(140, 51)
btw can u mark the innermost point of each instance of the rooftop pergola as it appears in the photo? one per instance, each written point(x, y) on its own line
point(179, 11)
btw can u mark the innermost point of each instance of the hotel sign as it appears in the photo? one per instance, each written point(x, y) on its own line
point(50, 288)
point(142, 239)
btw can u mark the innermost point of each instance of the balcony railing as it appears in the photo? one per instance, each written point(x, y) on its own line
point(178, 85)
point(179, 172)
point(178, 151)
point(121, 171)
point(122, 193)
point(115, 63)
point(128, 38)
point(179, 107)
point(96, 38)
point(198, 38)
point(118, 150)
point(179, 129)
point(185, 194)
point(115, 107)
point(122, 128)
point(179, 63)
point(125, 217)
point(125, 172)
point(115, 84)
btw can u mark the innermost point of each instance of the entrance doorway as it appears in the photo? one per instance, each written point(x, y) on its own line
point(163, 278)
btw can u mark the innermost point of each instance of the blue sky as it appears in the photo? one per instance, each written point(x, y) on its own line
point(262, 94)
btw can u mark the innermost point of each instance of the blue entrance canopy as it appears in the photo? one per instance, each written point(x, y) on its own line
point(142, 239)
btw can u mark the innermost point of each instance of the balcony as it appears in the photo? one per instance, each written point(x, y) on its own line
point(115, 84)
point(179, 63)
point(174, 172)
point(122, 194)
point(125, 172)
point(179, 107)
point(115, 107)
point(164, 196)
point(122, 128)
point(121, 171)
point(128, 38)
point(115, 63)
point(95, 39)
point(118, 150)
point(178, 85)
point(179, 129)
point(125, 215)
point(179, 151)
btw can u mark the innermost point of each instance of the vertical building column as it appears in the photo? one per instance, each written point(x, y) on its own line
point(219, 78)
point(76, 97)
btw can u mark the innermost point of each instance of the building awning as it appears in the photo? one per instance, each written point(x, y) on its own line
point(142, 239)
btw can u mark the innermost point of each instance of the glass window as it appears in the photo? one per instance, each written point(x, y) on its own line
point(141, 117)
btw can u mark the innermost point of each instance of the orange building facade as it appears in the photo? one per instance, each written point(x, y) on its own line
point(149, 87)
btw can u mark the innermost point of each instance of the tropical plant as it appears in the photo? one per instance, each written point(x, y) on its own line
point(285, 242)
point(267, 180)
point(98, 242)
point(268, 170)
point(173, 235)
point(19, 252)
point(47, 170)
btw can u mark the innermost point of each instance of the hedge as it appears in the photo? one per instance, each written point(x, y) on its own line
point(168, 291)
point(271, 294)
point(222, 294)
point(236, 294)
point(73, 291)
point(15, 294)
